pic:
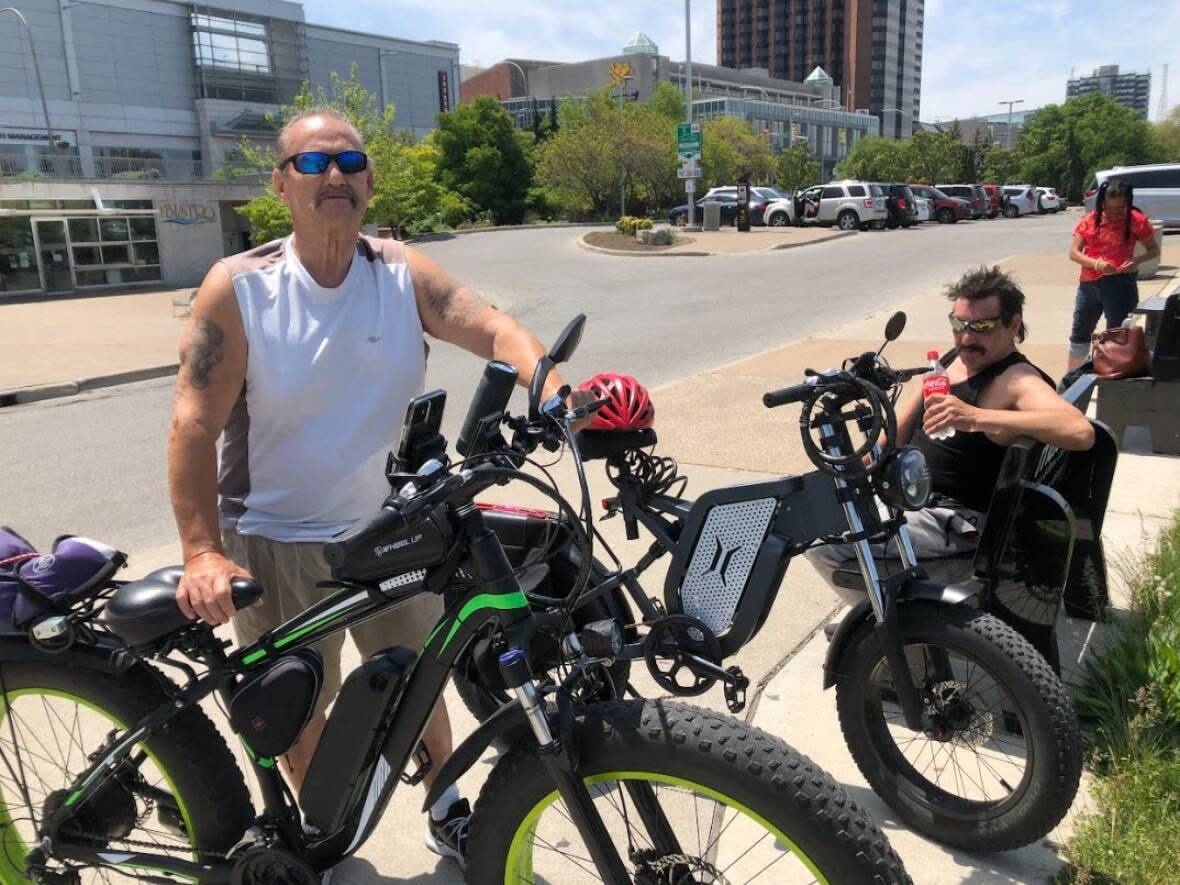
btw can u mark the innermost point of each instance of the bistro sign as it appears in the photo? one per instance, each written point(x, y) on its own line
point(187, 213)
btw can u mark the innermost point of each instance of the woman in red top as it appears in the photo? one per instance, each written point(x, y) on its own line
point(1104, 245)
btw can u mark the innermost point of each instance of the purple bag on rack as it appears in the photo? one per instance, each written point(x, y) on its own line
point(32, 585)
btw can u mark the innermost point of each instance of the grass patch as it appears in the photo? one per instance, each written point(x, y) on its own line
point(1128, 700)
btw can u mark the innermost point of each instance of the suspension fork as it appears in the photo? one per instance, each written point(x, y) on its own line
point(883, 601)
point(490, 565)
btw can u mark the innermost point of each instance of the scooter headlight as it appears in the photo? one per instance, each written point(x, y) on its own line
point(904, 482)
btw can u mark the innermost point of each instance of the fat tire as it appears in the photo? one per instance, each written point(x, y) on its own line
point(739, 761)
point(188, 748)
point(1054, 736)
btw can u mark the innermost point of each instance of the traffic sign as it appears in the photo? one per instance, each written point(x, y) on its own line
point(688, 169)
point(688, 140)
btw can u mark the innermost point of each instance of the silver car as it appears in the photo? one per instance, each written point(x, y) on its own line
point(1157, 190)
point(850, 205)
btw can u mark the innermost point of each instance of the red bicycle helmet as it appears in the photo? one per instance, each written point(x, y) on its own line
point(628, 405)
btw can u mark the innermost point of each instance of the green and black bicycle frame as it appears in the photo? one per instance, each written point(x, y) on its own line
point(494, 602)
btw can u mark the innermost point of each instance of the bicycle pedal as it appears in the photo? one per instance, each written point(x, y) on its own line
point(735, 689)
point(425, 764)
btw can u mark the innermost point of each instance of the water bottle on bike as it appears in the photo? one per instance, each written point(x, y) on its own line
point(936, 383)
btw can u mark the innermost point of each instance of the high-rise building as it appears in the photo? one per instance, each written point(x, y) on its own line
point(872, 49)
point(1130, 90)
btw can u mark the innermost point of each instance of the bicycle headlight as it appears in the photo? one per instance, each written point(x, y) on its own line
point(904, 482)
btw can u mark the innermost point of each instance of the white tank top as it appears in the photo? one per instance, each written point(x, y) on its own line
point(329, 374)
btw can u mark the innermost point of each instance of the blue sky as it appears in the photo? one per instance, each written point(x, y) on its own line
point(977, 51)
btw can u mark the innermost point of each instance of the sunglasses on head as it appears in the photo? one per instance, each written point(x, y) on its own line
point(316, 162)
point(976, 326)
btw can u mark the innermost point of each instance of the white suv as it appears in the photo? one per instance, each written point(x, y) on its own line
point(850, 205)
point(1021, 199)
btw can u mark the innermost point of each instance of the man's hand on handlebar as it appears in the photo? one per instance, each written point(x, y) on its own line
point(577, 399)
point(204, 590)
point(947, 412)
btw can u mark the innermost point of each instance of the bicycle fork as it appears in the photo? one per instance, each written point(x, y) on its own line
point(514, 666)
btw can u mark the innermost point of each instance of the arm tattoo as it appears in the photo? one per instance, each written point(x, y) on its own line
point(204, 352)
point(452, 301)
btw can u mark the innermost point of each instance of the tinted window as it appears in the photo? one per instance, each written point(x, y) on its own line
point(876, 190)
point(832, 193)
point(1152, 178)
point(937, 193)
point(855, 190)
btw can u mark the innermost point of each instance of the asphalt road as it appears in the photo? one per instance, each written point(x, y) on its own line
point(94, 464)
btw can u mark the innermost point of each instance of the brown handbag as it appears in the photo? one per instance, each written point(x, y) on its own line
point(1120, 353)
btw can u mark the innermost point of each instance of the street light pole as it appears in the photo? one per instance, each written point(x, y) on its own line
point(1010, 103)
point(37, 71)
point(688, 98)
point(623, 142)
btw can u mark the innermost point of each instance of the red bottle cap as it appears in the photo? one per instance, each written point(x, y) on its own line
point(932, 354)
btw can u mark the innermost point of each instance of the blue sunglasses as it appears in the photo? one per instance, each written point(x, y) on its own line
point(316, 162)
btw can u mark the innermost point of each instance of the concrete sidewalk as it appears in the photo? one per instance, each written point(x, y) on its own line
point(714, 424)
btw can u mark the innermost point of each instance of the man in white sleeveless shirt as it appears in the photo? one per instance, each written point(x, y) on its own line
point(305, 353)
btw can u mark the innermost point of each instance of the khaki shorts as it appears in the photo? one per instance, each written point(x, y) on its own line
point(288, 573)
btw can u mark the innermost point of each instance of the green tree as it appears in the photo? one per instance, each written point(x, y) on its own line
point(554, 124)
point(1001, 165)
point(730, 148)
point(667, 100)
point(483, 158)
point(1167, 137)
point(1064, 145)
point(579, 167)
point(797, 168)
point(876, 159)
point(269, 217)
point(934, 157)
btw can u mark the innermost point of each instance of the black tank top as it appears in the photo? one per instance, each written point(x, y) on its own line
point(966, 466)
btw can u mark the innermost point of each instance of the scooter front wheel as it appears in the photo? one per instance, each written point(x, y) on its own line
point(1000, 762)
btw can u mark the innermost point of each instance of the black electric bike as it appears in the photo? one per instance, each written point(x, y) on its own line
point(109, 768)
point(953, 717)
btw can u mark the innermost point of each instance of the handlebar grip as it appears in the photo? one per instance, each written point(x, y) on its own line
point(244, 592)
point(491, 396)
point(795, 394)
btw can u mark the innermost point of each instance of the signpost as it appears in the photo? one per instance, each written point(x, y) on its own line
point(688, 147)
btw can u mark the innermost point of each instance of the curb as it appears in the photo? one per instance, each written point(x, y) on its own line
point(627, 253)
point(446, 235)
point(39, 392)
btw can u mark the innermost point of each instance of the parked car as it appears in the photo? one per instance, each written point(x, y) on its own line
point(1047, 200)
point(923, 207)
point(975, 196)
point(1157, 190)
point(944, 209)
point(899, 204)
point(727, 197)
point(1022, 200)
point(995, 197)
point(850, 205)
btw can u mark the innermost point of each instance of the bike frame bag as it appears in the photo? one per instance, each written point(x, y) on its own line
point(730, 558)
point(270, 709)
point(349, 747)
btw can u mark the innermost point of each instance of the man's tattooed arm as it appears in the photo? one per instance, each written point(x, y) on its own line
point(451, 300)
point(205, 352)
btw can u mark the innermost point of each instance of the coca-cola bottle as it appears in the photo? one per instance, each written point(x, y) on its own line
point(936, 383)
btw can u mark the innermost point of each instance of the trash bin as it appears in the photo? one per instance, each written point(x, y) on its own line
point(712, 219)
point(1150, 268)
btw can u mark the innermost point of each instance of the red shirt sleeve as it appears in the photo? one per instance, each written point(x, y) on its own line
point(1141, 228)
point(1084, 227)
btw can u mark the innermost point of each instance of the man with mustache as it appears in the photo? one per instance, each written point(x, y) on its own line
point(996, 396)
point(305, 352)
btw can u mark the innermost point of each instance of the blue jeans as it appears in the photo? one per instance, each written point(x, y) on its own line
point(1115, 296)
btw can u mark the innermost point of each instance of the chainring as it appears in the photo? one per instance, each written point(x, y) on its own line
point(272, 866)
point(669, 641)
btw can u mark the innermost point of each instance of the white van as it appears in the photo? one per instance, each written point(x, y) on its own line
point(1157, 190)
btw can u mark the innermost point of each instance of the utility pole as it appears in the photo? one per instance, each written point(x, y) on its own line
point(1010, 103)
point(688, 98)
